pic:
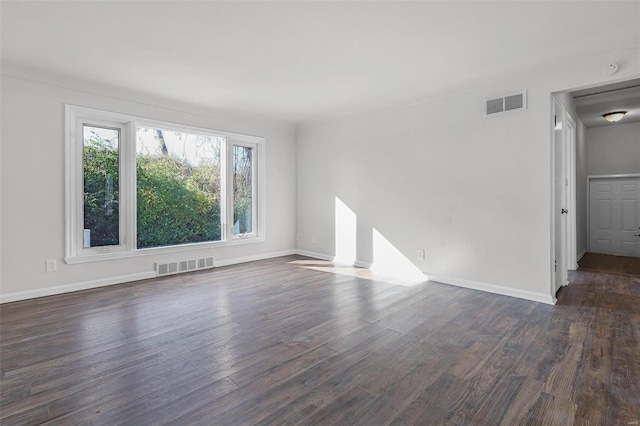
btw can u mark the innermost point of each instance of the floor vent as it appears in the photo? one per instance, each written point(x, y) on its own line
point(506, 103)
point(186, 265)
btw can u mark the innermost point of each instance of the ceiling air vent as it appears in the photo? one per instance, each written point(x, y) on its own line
point(506, 103)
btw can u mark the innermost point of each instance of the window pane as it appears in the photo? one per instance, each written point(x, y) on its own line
point(101, 190)
point(178, 187)
point(242, 190)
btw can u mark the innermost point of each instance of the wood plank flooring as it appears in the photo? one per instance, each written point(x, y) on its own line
point(610, 264)
point(294, 340)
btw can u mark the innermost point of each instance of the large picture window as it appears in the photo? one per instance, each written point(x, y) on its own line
point(137, 186)
point(178, 187)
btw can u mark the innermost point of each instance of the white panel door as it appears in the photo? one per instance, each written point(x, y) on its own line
point(614, 216)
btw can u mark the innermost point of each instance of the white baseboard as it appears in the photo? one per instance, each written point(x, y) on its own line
point(245, 259)
point(474, 285)
point(493, 288)
point(582, 253)
point(362, 264)
point(315, 255)
point(322, 256)
point(459, 282)
point(68, 288)
point(85, 285)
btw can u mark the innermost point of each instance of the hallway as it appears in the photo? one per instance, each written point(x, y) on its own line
point(605, 263)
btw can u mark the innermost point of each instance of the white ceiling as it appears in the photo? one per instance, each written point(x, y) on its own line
point(592, 104)
point(308, 61)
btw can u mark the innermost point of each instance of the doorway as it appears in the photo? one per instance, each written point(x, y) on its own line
point(596, 148)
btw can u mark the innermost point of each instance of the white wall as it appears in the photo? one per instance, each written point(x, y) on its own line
point(33, 184)
point(474, 192)
point(613, 149)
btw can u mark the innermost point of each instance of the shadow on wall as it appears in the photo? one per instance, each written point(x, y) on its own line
point(387, 258)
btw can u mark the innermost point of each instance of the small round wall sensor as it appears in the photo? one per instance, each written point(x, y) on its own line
point(609, 69)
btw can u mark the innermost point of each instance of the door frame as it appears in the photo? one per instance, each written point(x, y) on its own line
point(568, 245)
point(589, 178)
point(572, 259)
point(556, 96)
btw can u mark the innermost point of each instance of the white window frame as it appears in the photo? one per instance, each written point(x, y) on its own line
point(254, 199)
point(76, 117)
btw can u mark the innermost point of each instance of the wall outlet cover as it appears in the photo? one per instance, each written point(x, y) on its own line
point(51, 265)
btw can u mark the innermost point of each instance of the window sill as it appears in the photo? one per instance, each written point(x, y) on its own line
point(186, 248)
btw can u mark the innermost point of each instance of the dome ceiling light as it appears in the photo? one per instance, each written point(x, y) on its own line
point(612, 117)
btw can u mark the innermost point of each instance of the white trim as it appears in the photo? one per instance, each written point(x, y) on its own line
point(589, 177)
point(257, 221)
point(572, 261)
point(315, 255)
point(194, 247)
point(68, 288)
point(322, 256)
point(246, 259)
point(582, 253)
point(50, 291)
point(568, 244)
point(75, 116)
point(627, 176)
point(169, 125)
point(362, 264)
point(493, 288)
point(552, 211)
point(458, 282)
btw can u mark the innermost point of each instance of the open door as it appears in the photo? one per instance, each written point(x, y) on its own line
point(564, 199)
point(561, 207)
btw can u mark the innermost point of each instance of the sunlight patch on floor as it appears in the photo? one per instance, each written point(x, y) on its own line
point(389, 264)
point(367, 274)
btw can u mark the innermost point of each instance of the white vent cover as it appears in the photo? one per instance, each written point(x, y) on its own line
point(506, 103)
point(185, 265)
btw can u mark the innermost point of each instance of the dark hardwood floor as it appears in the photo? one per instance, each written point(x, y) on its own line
point(596, 262)
point(298, 341)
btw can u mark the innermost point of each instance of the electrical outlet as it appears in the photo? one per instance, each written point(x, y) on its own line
point(420, 254)
point(297, 237)
point(313, 239)
point(51, 265)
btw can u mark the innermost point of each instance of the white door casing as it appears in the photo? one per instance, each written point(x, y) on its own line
point(614, 215)
point(572, 230)
point(563, 195)
point(560, 197)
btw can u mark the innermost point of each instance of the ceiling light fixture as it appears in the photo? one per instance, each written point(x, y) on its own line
point(612, 117)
